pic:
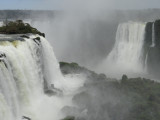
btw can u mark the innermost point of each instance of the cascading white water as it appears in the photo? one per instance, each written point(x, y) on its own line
point(146, 63)
point(153, 35)
point(126, 56)
point(25, 66)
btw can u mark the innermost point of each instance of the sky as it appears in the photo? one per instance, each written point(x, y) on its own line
point(31, 4)
point(59, 4)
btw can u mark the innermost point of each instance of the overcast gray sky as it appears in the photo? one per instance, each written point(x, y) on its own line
point(59, 4)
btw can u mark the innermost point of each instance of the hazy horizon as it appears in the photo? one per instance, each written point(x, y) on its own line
point(61, 4)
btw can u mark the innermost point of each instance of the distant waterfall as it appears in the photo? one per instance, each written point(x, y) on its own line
point(153, 35)
point(126, 55)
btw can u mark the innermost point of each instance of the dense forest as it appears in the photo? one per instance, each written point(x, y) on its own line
point(124, 99)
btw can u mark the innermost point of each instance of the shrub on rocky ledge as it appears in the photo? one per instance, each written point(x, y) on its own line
point(69, 118)
point(18, 27)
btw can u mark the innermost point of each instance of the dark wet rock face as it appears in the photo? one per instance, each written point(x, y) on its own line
point(26, 118)
point(152, 53)
point(25, 36)
point(37, 40)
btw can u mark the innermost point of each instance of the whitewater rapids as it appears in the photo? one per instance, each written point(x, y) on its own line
point(28, 66)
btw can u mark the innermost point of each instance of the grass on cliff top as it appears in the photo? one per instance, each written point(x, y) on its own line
point(18, 27)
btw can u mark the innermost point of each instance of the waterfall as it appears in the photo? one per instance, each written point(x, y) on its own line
point(27, 66)
point(153, 35)
point(146, 63)
point(126, 55)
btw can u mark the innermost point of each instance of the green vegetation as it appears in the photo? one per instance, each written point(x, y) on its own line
point(74, 68)
point(145, 98)
point(125, 99)
point(69, 118)
point(73, 65)
point(18, 27)
point(67, 68)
